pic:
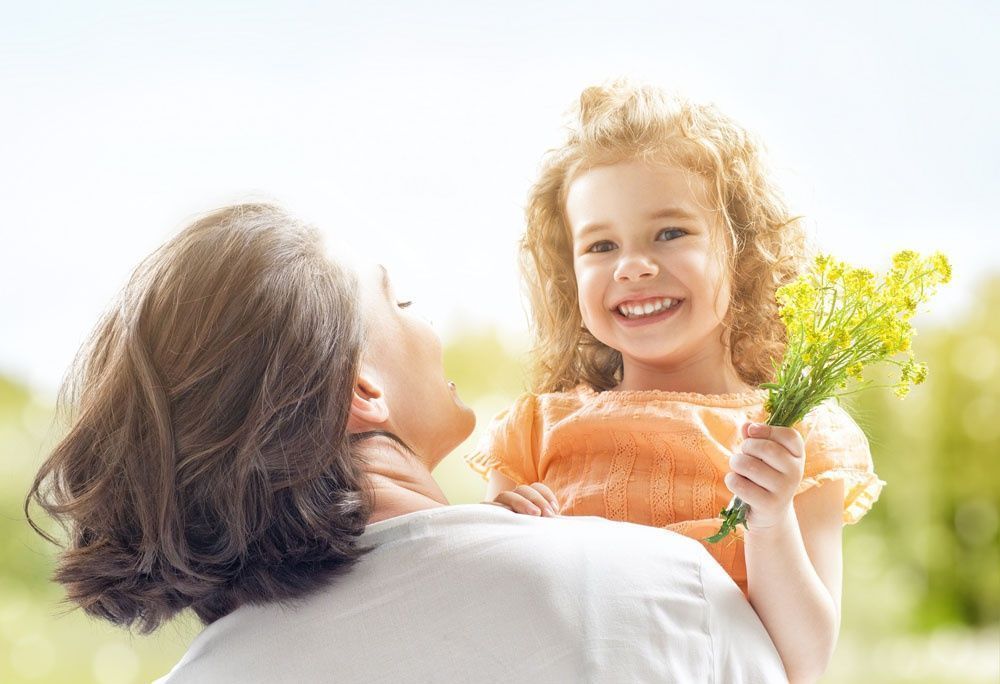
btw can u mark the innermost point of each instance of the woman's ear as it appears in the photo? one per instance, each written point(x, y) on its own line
point(368, 407)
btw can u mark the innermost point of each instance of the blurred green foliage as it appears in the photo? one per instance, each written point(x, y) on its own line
point(921, 571)
point(935, 529)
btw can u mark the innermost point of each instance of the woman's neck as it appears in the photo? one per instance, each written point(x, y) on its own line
point(400, 483)
point(704, 373)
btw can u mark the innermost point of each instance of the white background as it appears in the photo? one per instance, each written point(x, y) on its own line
point(410, 132)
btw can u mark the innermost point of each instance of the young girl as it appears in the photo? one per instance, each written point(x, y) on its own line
point(654, 246)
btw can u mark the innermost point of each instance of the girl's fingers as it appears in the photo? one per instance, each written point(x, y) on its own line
point(787, 437)
point(751, 493)
point(535, 499)
point(549, 496)
point(532, 494)
point(771, 453)
point(517, 503)
point(757, 471)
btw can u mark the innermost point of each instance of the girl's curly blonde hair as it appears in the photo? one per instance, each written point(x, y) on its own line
point(764, 247)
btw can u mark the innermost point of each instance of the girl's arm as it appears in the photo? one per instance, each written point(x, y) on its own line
point(793, 548)
point(794, 574)
point(497, 483)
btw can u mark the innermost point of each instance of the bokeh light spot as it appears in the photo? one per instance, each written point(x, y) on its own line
point(976, 358)
point(976, 522)
point(115, 663)
point(31, 656)
point(979, 419)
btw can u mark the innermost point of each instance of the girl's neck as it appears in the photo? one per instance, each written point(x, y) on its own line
point(705, 374)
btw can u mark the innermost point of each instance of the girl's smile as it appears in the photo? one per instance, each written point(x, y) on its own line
point(636, 312)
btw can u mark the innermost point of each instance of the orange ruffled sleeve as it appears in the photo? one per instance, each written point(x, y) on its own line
point(837, 449)
point(511, 443)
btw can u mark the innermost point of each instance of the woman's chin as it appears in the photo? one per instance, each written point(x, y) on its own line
point(461, 423)
point(469, 417)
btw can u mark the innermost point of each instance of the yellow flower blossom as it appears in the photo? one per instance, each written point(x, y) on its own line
point(939, 262)
point(840, 320)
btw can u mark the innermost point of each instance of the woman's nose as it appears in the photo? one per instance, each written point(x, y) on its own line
point(634, 266)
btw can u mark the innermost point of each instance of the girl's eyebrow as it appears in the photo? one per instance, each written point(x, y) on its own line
point(590, 228)
point(672, 212)
point(666, 212)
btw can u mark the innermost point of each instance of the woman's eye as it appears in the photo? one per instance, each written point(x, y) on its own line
point(670, 234)
point(602, 246)
point(403, 305)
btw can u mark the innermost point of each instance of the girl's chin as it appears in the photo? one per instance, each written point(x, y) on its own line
point(650, 351)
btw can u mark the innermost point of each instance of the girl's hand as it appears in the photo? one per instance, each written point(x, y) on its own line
point(767, 469)
point(536, 499)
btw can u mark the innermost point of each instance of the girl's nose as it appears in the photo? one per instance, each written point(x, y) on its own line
point(634, 266)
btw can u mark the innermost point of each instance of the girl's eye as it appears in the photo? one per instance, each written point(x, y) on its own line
point(670, 234)
point(602, 246)
point(403, 305)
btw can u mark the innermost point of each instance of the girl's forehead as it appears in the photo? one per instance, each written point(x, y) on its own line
point(637, 188)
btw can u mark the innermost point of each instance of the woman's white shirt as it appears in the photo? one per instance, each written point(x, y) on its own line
point(475, 593)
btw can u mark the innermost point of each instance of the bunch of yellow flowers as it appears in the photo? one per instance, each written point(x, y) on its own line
point(839, 320)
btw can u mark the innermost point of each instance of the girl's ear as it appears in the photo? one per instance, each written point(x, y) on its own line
point(368, 407)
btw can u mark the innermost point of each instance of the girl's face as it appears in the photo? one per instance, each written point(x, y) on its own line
point(649, 283)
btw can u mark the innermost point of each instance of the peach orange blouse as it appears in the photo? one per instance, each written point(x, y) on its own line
point(658, 458)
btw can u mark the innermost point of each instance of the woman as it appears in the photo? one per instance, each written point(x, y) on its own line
point(254, 433)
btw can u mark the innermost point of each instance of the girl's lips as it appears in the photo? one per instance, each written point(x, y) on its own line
point(647, 320)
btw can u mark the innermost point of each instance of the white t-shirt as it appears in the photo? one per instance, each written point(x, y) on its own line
point(476, 593)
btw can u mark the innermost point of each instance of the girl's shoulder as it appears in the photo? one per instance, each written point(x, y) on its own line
point(543, 409)
point(829, 417)
point(830, 433)
point(532, 406)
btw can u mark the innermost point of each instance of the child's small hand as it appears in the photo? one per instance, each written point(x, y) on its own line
point(536, 499)
point(767, 469)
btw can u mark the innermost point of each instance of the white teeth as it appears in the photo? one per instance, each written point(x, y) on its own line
point(639, 310)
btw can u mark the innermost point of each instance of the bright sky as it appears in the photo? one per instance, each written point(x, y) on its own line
point(411, 132)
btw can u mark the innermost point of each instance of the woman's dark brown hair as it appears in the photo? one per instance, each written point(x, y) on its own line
point(207, 463)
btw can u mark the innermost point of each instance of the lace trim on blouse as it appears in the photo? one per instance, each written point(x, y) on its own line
point(748, 398)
